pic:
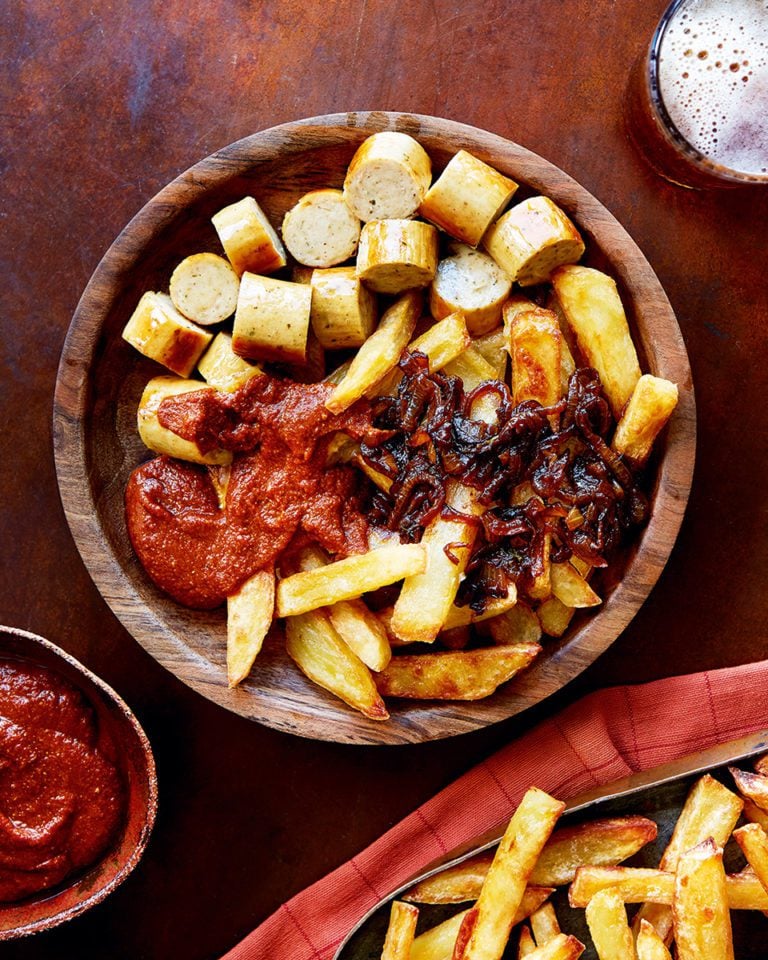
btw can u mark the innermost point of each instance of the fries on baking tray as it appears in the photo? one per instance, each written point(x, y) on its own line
point(687, 900)
point(503, 354)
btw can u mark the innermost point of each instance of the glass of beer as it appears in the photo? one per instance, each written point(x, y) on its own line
point(697, 104)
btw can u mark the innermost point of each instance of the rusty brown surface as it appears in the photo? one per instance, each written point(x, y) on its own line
point(103, 104)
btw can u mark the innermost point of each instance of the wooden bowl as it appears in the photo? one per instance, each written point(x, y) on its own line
point(101, 378)
point(133, 756)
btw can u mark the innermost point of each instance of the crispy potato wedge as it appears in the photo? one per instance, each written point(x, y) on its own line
point(487, 925)
point(649, 408)
point(400, 932)
point(426, 598)
point(544, 924)
point(464, 882)
point(571, 588)
point(761, 765)
point(535, 345)
point(454, 674)
point(562, 947)
point(362, 631)
point(754, 786)
point(321, 654)
point(441, 343)
point(754, 843)
point(493, 348)
point(518, 625)
point(349, 578)
point(592, 309)
point(711, 810)
point(463, 616)
point(380, 352)
point(471, 368)
point(755, 814)
point(438, 943)
point(607, 922)
point(702, 921)
point(649, 945)
point(249, 617)
point(554, 616)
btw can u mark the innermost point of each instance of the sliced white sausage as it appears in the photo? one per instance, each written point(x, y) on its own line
point(470, 282)
point(159, 331)
point(388, 177)
point(204, 288)
point(249, 239)
point(397, 255)
point(321, 230)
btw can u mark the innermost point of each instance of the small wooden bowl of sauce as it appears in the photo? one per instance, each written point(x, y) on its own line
point(78, 789)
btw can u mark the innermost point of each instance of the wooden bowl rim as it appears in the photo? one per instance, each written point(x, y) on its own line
point(411, 721)
point(128, 717)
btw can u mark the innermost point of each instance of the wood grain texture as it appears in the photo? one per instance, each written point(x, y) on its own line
point(100, 380)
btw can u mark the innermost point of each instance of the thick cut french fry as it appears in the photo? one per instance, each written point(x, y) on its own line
point(600, 842)
point(562, 947)
point(526, 944)
point(607, 921)
point(375, 476)
point(489, 922)
point(755, 814)
point(362, 631)
point(649, 945)
point(463, 616)
point(652, 402)
point(754, 843)
point(321, 654)
point(636, 884)
point(754, 786)
point(471, 368)
point(426, 598)
point(454, 674)
point(249, 617)
point(441, 343)
point(594, 313)
point(571, 588)
point(761, 764)
point(349, 578)
point(493, 348)
point(438, 943)
point(544, 924)
point(518, 625)
point(702, 922)
point(554, 616)
point(535, 345)
point(711, 810)
point(400, 932)
point(380, 352)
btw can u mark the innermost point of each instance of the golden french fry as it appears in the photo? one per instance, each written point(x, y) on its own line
point(594, 314)
point(526, 944)
point(362, 631)
point(438, 943)
point(754, 843)
point(535, 348)
point(544, 924)
point(400, 932)
point(649, 945)
point(427, 597)
point(602, 842)
point(349, 578)
point(607, 921)
point(652, 403)
point(249, 617)
point(493, 914)
point(711, 810)
point(754, 786)
point(554, 616)
point(463, 616)
point(562, 947)
point(518, 625)
point(471, 368)
point(380, 352)
point(321, 654)
point(636, 884)
point(571, 588)
point(454, 674)
point(755, 814)
point(761, 764)
point(493, 348)
point(702, 922)
point(441, 343)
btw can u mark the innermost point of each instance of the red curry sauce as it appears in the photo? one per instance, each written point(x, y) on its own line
point(61, 798)
point(281, 489)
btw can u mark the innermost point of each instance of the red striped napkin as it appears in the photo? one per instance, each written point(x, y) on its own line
point(600, 739)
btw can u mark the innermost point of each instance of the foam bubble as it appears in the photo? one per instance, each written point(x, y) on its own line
point(732, 127)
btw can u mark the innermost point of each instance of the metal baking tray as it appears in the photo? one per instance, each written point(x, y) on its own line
point(658, 794)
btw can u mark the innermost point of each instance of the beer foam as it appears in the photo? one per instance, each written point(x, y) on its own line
point(713, 80)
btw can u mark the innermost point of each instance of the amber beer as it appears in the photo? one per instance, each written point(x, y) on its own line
point(697, 104)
